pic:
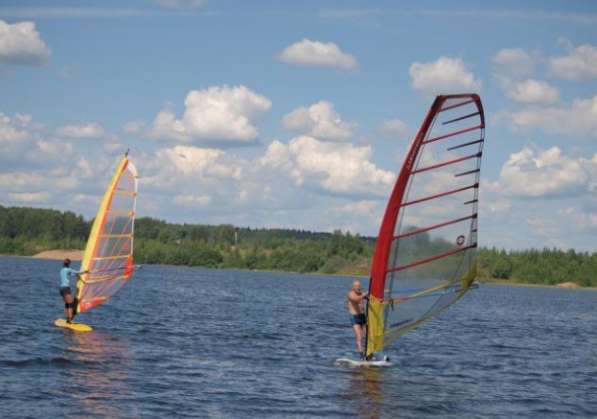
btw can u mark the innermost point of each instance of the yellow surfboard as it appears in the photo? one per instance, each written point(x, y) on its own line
point(77, 327)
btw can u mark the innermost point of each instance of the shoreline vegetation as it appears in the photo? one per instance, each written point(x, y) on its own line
point(53, 234)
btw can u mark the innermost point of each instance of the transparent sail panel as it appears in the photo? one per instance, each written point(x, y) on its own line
point(109, 257)
point(433, 245)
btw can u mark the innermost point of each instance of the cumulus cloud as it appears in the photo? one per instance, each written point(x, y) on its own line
point(182, 5)
point(202, 162)
point(445, 75)
point(580, 118)
point(536, 173)
point(29, 197)
point(14, 130)
point(20, 43)
point(532, 91)
point(394, 127)
point(317, 54)
point(133, 127)
point(319, 120)
point(218, 113)
point(192, 200)
point(579, 64)
point(513, 62)
point(585, 220)
point(89, 130)
point(337, 168)
point(364, 207)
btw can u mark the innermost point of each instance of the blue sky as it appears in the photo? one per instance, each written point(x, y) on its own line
point(281, 114)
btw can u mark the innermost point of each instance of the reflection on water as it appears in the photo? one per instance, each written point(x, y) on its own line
point(102, 377)
point(365, 389)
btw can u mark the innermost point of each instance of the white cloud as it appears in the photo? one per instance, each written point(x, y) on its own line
point(499, 205)
point(319, 120)
point(89, 130)
point(365, 207)
point(29, 197)
point(218, 113)
point(533, 91)
point(133, 127)
point(14, 130)
point(337, 168)
point(182, 4)
point(513, 62)
point(445, 75)
point(192, 200)
point(537, 173)
point(580, 118)
point(317, 54)
point(52, 150)
point(579, 64)
point(201, 162)
point(20, 43)
point(584, 220)
point(394, 127)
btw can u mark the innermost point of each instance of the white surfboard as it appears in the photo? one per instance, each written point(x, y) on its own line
point(347, 362)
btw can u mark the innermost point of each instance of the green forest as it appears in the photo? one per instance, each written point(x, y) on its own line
point(27, 231)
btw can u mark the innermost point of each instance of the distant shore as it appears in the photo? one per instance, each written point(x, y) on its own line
point(60, 254)
point(77, 255)
point(563, 285)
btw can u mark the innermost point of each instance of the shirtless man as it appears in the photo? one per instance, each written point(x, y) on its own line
point(356, 308)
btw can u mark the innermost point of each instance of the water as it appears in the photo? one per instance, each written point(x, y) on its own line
point(189, 342)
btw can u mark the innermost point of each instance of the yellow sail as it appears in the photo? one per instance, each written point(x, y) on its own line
point(108, 255)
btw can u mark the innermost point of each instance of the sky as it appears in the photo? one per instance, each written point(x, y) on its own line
point(298, 114)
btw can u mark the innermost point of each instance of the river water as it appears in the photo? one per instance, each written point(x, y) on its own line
point(192, 342)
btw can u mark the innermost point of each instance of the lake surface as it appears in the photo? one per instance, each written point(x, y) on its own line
point(191, 342)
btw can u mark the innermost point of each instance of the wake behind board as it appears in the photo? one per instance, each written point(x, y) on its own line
point(347, 362)
point(77, 327)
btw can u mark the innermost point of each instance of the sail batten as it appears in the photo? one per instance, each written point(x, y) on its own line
point(108, 255)
point(452, 134)
point(424, 258)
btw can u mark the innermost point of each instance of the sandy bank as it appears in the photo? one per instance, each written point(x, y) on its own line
point(60, 254)
point(568, 285)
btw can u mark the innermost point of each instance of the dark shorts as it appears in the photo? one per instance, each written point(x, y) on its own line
point(64, 291)
point(359, 319)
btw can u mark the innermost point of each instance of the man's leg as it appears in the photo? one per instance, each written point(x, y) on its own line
point(358, 334)
point(68, 298)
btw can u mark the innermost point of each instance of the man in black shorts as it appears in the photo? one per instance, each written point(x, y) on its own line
point(356, 308)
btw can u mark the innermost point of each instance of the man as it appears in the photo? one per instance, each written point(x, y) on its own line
point(65, 273)
point(356, 308)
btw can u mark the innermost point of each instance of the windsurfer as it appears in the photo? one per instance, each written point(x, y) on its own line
point(65, 273)
point(356, 308)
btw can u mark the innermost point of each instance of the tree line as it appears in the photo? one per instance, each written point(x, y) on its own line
point(27, 231)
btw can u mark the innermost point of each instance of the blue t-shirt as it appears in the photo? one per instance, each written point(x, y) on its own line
point(65, 274)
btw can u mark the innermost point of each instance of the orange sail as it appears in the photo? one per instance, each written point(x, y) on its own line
point(108, 255)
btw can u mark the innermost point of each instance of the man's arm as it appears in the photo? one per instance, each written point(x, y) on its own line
point(356, 298)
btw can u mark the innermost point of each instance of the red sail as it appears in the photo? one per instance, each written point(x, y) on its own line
point(425, 250)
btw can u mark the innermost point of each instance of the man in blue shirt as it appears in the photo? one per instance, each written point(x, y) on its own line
point(65, 273)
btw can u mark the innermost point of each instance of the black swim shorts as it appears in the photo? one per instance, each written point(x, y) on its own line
point(359, 319)
point(64, 291)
